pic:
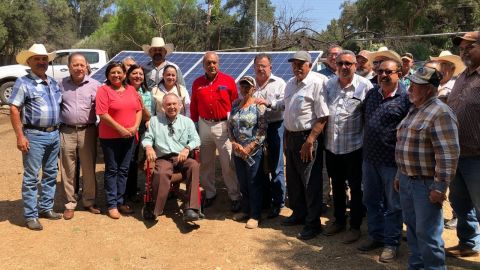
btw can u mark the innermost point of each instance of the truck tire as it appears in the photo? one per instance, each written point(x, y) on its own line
point(6, 91)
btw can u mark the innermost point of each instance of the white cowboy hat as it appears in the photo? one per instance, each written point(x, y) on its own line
point(36, 49)
point(454, 59)
point(385, 52)
point(158, 42)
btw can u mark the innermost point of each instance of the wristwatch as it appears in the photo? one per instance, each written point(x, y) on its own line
point(187, 147)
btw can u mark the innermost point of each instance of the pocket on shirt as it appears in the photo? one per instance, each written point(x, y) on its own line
point(352, 105)
point(418, 130)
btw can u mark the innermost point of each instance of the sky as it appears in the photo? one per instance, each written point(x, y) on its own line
point(319, 12)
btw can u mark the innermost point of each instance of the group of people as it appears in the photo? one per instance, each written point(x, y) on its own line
point(392, 140)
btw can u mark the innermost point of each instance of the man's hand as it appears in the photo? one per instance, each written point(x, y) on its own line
point(151, 156)
point(306, 153)
point(23, 144)
point(437, 197)
point(183, 155)
point(396, 185)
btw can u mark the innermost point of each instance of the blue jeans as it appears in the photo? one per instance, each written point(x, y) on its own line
point(465, 199)
point(250, 182)
point(275, 163)
point(117, 155)
point(384, 213)
point(43, 154)
point(424, 222)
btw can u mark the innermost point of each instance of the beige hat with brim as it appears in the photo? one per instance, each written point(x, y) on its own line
point(454, 59)
point(158, 42)
point(36, 49)
point(385, 52)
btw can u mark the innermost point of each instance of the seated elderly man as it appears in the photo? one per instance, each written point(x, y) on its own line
point(168, 142)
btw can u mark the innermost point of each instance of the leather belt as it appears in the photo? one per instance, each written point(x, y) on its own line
point(215, 120)
point(44, 129)
point(78, 127)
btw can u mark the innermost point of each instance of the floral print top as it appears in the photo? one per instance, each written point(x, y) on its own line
point(246, 125)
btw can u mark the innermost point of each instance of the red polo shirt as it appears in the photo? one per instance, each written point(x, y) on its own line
point(212, 100)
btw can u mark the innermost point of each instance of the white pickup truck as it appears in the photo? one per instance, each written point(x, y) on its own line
point(57, 69)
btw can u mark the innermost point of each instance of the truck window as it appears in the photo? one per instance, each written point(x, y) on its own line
point(92, 57)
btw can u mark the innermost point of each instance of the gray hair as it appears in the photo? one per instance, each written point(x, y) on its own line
point(347, 52)
point(129, 58)
point(171, 94)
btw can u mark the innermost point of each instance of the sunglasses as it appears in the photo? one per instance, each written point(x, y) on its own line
point(347, 64)
point(171, 131)
point(386, 71)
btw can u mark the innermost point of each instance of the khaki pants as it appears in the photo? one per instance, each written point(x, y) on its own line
point(164, 168)
point(85, 140)
point(214, 136)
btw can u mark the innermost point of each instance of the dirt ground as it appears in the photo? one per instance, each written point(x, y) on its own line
point(97, 242)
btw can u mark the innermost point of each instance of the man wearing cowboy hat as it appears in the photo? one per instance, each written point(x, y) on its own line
point(158, 50)
point(465, 187)
point(35, 116)
point(449, 66)
point(376, 58)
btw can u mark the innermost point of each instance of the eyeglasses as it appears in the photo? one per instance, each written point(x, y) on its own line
point(171, 131)
point(386, 71)
point(347, 64)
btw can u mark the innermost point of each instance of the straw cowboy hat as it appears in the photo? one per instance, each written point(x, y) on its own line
point(454, 59)
point(158, 42)
point(385, 52)
point(36, 49)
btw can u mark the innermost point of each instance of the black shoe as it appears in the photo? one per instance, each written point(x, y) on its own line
point(309, 232)
point(34, 224)
point(209, 201)
point(324, 208)
point(235, 206)
point(370, 244)
point(292, 221)
point(50, 215)
point(274, 212)
point(190, 215)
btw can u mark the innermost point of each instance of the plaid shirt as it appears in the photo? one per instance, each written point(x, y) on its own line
point(39, 100)
point(344, 132)
point(427, 143)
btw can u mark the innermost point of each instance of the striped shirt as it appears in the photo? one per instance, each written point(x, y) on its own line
point(427, 143)
point(465, 103)
point(39, 100)
point(344, 133)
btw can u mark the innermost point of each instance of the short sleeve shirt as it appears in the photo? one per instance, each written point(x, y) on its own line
point(305, 102)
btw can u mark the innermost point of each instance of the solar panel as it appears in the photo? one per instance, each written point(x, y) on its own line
point(236, 64)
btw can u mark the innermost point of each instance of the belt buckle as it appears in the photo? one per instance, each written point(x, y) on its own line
point(49, 129)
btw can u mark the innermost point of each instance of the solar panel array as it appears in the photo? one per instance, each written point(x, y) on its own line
point(236, 64)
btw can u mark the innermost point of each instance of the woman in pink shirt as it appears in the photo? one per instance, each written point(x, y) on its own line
point(120, 111)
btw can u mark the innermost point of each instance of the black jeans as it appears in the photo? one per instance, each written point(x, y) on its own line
point(304, 179)
point(342, 168)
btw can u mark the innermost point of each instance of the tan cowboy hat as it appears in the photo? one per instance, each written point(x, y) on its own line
point(158, 42)
point(454, 59)
point(36, 49)
point(384, 51)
